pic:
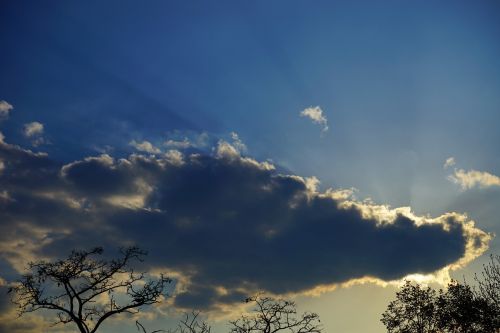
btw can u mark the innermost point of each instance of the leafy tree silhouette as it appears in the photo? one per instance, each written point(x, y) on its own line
point(457, 309)
point(86, 290)
point(460, 310)
point(413, 310)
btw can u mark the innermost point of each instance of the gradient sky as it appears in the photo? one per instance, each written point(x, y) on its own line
point(404, 86)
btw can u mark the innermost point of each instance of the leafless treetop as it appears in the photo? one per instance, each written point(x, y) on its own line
point(272, 316)
point(85, 289)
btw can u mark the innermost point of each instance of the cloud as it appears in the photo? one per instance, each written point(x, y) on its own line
point(450, 161)
point(228, 225)
point(316, 115)
point(473, 179)
point(185, 143)
point(237, 143)
point(145, 146)
point(180, 140)
point(5, 109)
point(33, 129)
point(34, 132)
point(174, 156)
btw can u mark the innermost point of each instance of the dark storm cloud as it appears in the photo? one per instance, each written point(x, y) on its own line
point(228, 224)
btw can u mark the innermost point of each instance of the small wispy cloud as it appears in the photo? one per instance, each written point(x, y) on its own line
point(185, 140)
point(237, 143)
point(179, 144)
point(317, 116)
point(34, 132)
point(5, 108)
point(145, 146)
point(450, 161)
point(33, 129)
point(473, 179)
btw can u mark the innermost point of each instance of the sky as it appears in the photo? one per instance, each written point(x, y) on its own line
point(322, 151)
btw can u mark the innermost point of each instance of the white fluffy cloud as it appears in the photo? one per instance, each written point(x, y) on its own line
point(145, 146)
point(184, 140)
point(5, 108)
point(34, 132)
point(32, 129)
point(181, 144)
point(473, 178)
point(316, 115)
point(237, 143)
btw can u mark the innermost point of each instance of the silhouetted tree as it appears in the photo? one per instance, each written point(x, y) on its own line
point(140, 328)
point(457, 309)
point(86, 290)
point(489, 286)
point(189, 324)
point(461, 310)
point(413, 311)
point(271, 316)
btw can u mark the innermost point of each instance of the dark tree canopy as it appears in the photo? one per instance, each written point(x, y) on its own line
point(458, 309)
point(461, 310)
point(272, 316)
point(86, 290)
point(413, 311)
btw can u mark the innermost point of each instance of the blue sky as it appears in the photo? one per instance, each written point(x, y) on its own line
point(403, 85)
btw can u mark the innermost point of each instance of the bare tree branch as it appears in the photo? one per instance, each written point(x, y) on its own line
point(489, 285)
point(83, 288)
point(271, 316)
point(141, 327)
